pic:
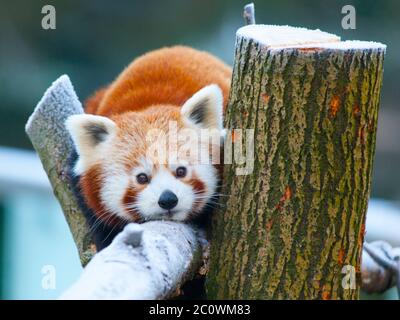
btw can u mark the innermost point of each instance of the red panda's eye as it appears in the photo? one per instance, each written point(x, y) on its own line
point(142, 178)
point(181, 172)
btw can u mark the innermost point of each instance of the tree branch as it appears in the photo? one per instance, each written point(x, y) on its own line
point(53, 144)
point(147, 261)
point(380, 267)
point(249, 14)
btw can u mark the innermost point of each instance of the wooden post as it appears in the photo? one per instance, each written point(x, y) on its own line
point(297, 229)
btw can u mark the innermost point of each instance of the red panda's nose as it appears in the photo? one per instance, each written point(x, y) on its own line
point(168, 200)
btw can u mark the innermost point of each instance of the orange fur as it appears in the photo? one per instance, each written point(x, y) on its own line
point(167, 76)
point(93, 101)
point(129, 198)
point(90, 185)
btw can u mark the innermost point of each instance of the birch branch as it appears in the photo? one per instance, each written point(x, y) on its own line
point(147, 261)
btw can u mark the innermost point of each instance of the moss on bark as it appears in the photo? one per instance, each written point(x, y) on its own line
point(300, 216)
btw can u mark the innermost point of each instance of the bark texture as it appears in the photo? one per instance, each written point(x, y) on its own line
point(300, 217)
point(52, 142)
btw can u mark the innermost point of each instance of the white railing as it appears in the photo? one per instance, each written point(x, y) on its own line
point(21, 169)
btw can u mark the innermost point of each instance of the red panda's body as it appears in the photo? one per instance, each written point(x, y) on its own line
point(117, 179)
point(168, 76)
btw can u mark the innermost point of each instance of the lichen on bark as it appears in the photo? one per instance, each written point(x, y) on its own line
point(300, 217)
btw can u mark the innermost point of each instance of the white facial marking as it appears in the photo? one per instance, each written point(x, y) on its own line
point(144, 166)
point(117, 182)
point(163, 180)
point(113, 190)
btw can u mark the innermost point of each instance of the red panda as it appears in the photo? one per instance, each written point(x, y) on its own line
point(116, 179)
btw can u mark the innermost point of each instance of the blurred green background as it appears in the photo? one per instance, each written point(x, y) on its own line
point(95, 39)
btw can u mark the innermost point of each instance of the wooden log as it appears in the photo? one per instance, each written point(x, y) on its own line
point(300, 218)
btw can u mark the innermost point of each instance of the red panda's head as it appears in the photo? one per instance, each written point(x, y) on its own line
point(125, 165)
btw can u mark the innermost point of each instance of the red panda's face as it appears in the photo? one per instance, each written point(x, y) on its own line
point(140, 166)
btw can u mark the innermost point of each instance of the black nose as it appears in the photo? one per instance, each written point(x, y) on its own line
point(167, 200)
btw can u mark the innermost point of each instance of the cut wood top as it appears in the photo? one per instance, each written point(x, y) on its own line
point(278, 37)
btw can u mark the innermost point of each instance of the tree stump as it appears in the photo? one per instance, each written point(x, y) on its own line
point(300, 219)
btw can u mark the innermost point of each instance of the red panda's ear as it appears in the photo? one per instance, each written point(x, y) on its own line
point(88, 133)
point(204, 108)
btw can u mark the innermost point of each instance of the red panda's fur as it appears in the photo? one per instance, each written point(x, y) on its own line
point(157, 84)
point(167, 76)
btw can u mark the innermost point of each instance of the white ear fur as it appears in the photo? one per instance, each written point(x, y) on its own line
point(88, 133)
point(204, 108)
